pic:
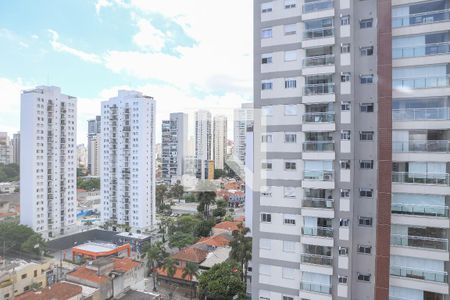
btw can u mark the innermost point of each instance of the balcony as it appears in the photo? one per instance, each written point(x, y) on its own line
point(319, 117)
point(318, 231)
point(428, 275)
point(318, 146)
point(421, 178)
point(318, 61)
point(430, 82)
point(420, 210)
point(421, 114)
point(318, 33)
point(442, 146)
point(423, 18)
point(317, 203)
point(419, 242)
point(317, 6)
point(318, 89)
point(421, 50)
point(318, 175)
point(315, 287)
point(316, 259)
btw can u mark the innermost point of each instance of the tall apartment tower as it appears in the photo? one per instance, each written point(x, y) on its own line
point(48, 128)
point(94, 139)
point(203, 141)
point(174, 146)
point(128, 161)
point(243, 119)
point(16, 148)
point(351, 149)
point(6, 149)
point(220, 141)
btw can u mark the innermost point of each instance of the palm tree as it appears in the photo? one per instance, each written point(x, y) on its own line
point(241, 250)
point(155, 256)
point(190, 271)
point(169, 266)
point(206, 198)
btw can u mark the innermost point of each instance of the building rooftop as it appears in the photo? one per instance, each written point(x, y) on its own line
point(58, 291)
point(214, 241)
point(178, 274)
point(139, 236)
point(96, 247)
point(228, 225)
point(125, 264)
point(88, 275)
point(216, 257)
point(191, 254)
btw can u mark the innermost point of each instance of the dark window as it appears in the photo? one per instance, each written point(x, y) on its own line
point(364, 249)
point(364, 277)
point(366, 193)
point(366, 23)
point(366, 135)
point(367, 107)
point(342, 279)
point(366, 51)
point(266, 218)
point(366, 79)
point(290, 166)
point(343, 251)
point(365, 221)
point(366, 164)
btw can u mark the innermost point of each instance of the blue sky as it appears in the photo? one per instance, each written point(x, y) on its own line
point(187, 54)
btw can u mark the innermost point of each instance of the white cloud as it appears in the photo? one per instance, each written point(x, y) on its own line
point(10, 111)
point(60, 47)
point(149, 38)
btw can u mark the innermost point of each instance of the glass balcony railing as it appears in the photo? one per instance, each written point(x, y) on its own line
point(421, 178)
point(315, 287)
point(318, 33)
point(319, 117)
point(436, 276)
point(311, 202)
point(318, 231)
point(317, 61)
point(318, 146)
point(428, 17)
point(422, 146)
point(317, 6)
point(316, 259)
point(421, 50)
point(429, 82)
point(421, 114)
point(420, 210)
point(318, 89)
point(419, 242)
point(318, 175)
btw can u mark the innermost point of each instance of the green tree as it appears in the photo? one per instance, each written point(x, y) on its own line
point(203, 228)
point(177, 191)
point(169, 266)
point(160, 195)
point(221, 203)
point(155, 256)
point(190, 271)
point(88, 184)
point(205, 199)
point(21, 238)
point(241, 250)
point(219, 173)
point(189, 198)
point(180, 239)
point(222, 281)
point(186, 224)
point(9, 172)
point(34, 244)
point(219, 212)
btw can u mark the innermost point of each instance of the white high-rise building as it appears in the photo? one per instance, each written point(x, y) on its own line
point(220, 141)
point(128, 160)
point(16, 148)
point(48, 127)
point(93, 159)
point(243, 118)
point(6, 149)
point(203, 135)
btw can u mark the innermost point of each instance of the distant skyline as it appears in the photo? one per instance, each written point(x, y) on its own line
point(185, 57)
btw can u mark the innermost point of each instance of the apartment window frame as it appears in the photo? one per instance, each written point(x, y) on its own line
point(366, 192)
point(364, 249)
point(289, 249)
point(345, 20)
point(342, 279)
point(290, 55)
point(287, 297)
point(368, 107)
point(266, 33)
point(267, 166)
point(364, 277)
point(346, 76)
point(345, 164)
point(346, 135)
point(366, 78)
point(346, 105)
point(266, 58)
point(266, 138)
point(289, 220)
point(345, 193)
point(288, 276)
point(290, 138)
point(346, 48)
point(290, 165)
point(266, 7)
point(289, 192)
point(290, 83)
point(344, 222)
point(366, 51)
point(266, 85)
point(366, 23)
point(266, 191)
point(366, 164)
point(289, 4)
point(365, 221)
point(343, 251)
point(290, 29)
point(366, 135)
point(266, 218)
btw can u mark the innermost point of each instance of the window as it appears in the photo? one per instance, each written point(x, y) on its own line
point(266, 218)
point(368, 193)
point(364, 277)
point(365, 221)
point(288, 298)
point(290, 4)
point(345, 164)
point(290, 138)
point(345, 135)
point(289, 192)
point(345, 105)
point(344, 222)
point(266, 58)
point(345, 48)
point(366, 23)
point(290, 55)
point(264, 244)
point(342, 279)
point(266, 85)
point(290, 29)
point(266, 138)
point(266, 191)
point(366, 51)
point(366, 107)
point(266, 7)
point(289, 219)
point(345, 20)
point(288, 246)
point(364, 249)
point(266, 166)
point(288, 273)
point(267, 111)
point(290, 165)
point(366, 164)
point(343, 251)
point(290, 83)
point(366, 79)
point(346, 76)
point(290, 110)
point(266, 33)
point(345, 193)
point(366, 135)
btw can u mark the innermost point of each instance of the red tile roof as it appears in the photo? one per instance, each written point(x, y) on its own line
point(214, 241)
point(191, 254)
point(239, 219)
point(89, 275)
point(58, 291)
point(178, 274)
point(125, 264)
point(228, 225)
